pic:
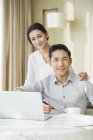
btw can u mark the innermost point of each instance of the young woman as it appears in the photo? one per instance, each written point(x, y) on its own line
point(38, 67)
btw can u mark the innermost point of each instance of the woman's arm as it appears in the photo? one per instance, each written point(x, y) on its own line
point(30, 79)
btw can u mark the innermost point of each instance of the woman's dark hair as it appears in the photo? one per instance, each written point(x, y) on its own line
point(35, 26)
point(58, 47)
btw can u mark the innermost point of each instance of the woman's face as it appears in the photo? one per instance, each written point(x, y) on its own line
point(39, 39)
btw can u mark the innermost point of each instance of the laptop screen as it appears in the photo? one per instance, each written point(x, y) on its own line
point(21, 105)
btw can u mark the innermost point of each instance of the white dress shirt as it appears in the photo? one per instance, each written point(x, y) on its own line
point(74, 93)
point(38, 69)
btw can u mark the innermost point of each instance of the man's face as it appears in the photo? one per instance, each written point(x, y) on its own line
point(60, 62)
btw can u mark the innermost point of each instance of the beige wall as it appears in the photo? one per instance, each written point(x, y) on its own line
point(77, 35)
point(83, 35)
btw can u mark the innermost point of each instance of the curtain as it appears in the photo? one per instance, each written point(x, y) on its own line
point(17, 18)
point(1, 40)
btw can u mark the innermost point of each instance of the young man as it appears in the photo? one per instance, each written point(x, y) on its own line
point(63, 89)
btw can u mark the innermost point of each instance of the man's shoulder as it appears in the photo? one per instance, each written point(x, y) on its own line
point(76, 79)
point(49, 78)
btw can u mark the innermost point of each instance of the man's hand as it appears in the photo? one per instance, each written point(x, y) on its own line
point(47, 106)
point(83, 76)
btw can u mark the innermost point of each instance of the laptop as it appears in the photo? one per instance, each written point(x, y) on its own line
point(22, 105)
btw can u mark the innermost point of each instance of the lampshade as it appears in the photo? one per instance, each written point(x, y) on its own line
point(55, 20)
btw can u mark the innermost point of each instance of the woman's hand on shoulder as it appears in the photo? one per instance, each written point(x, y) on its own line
point(83, 76)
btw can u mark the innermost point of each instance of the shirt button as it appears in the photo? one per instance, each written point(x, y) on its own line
point(63, 96)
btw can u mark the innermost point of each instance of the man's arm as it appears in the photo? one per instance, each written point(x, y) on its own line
point(89, 91)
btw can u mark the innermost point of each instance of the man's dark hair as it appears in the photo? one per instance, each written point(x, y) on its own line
point(36, 26)
point(58, 47)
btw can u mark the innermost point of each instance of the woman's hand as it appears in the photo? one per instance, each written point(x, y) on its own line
point(83, 76)
point(47, 106)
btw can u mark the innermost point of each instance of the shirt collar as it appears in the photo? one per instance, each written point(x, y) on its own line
point(69, 79)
